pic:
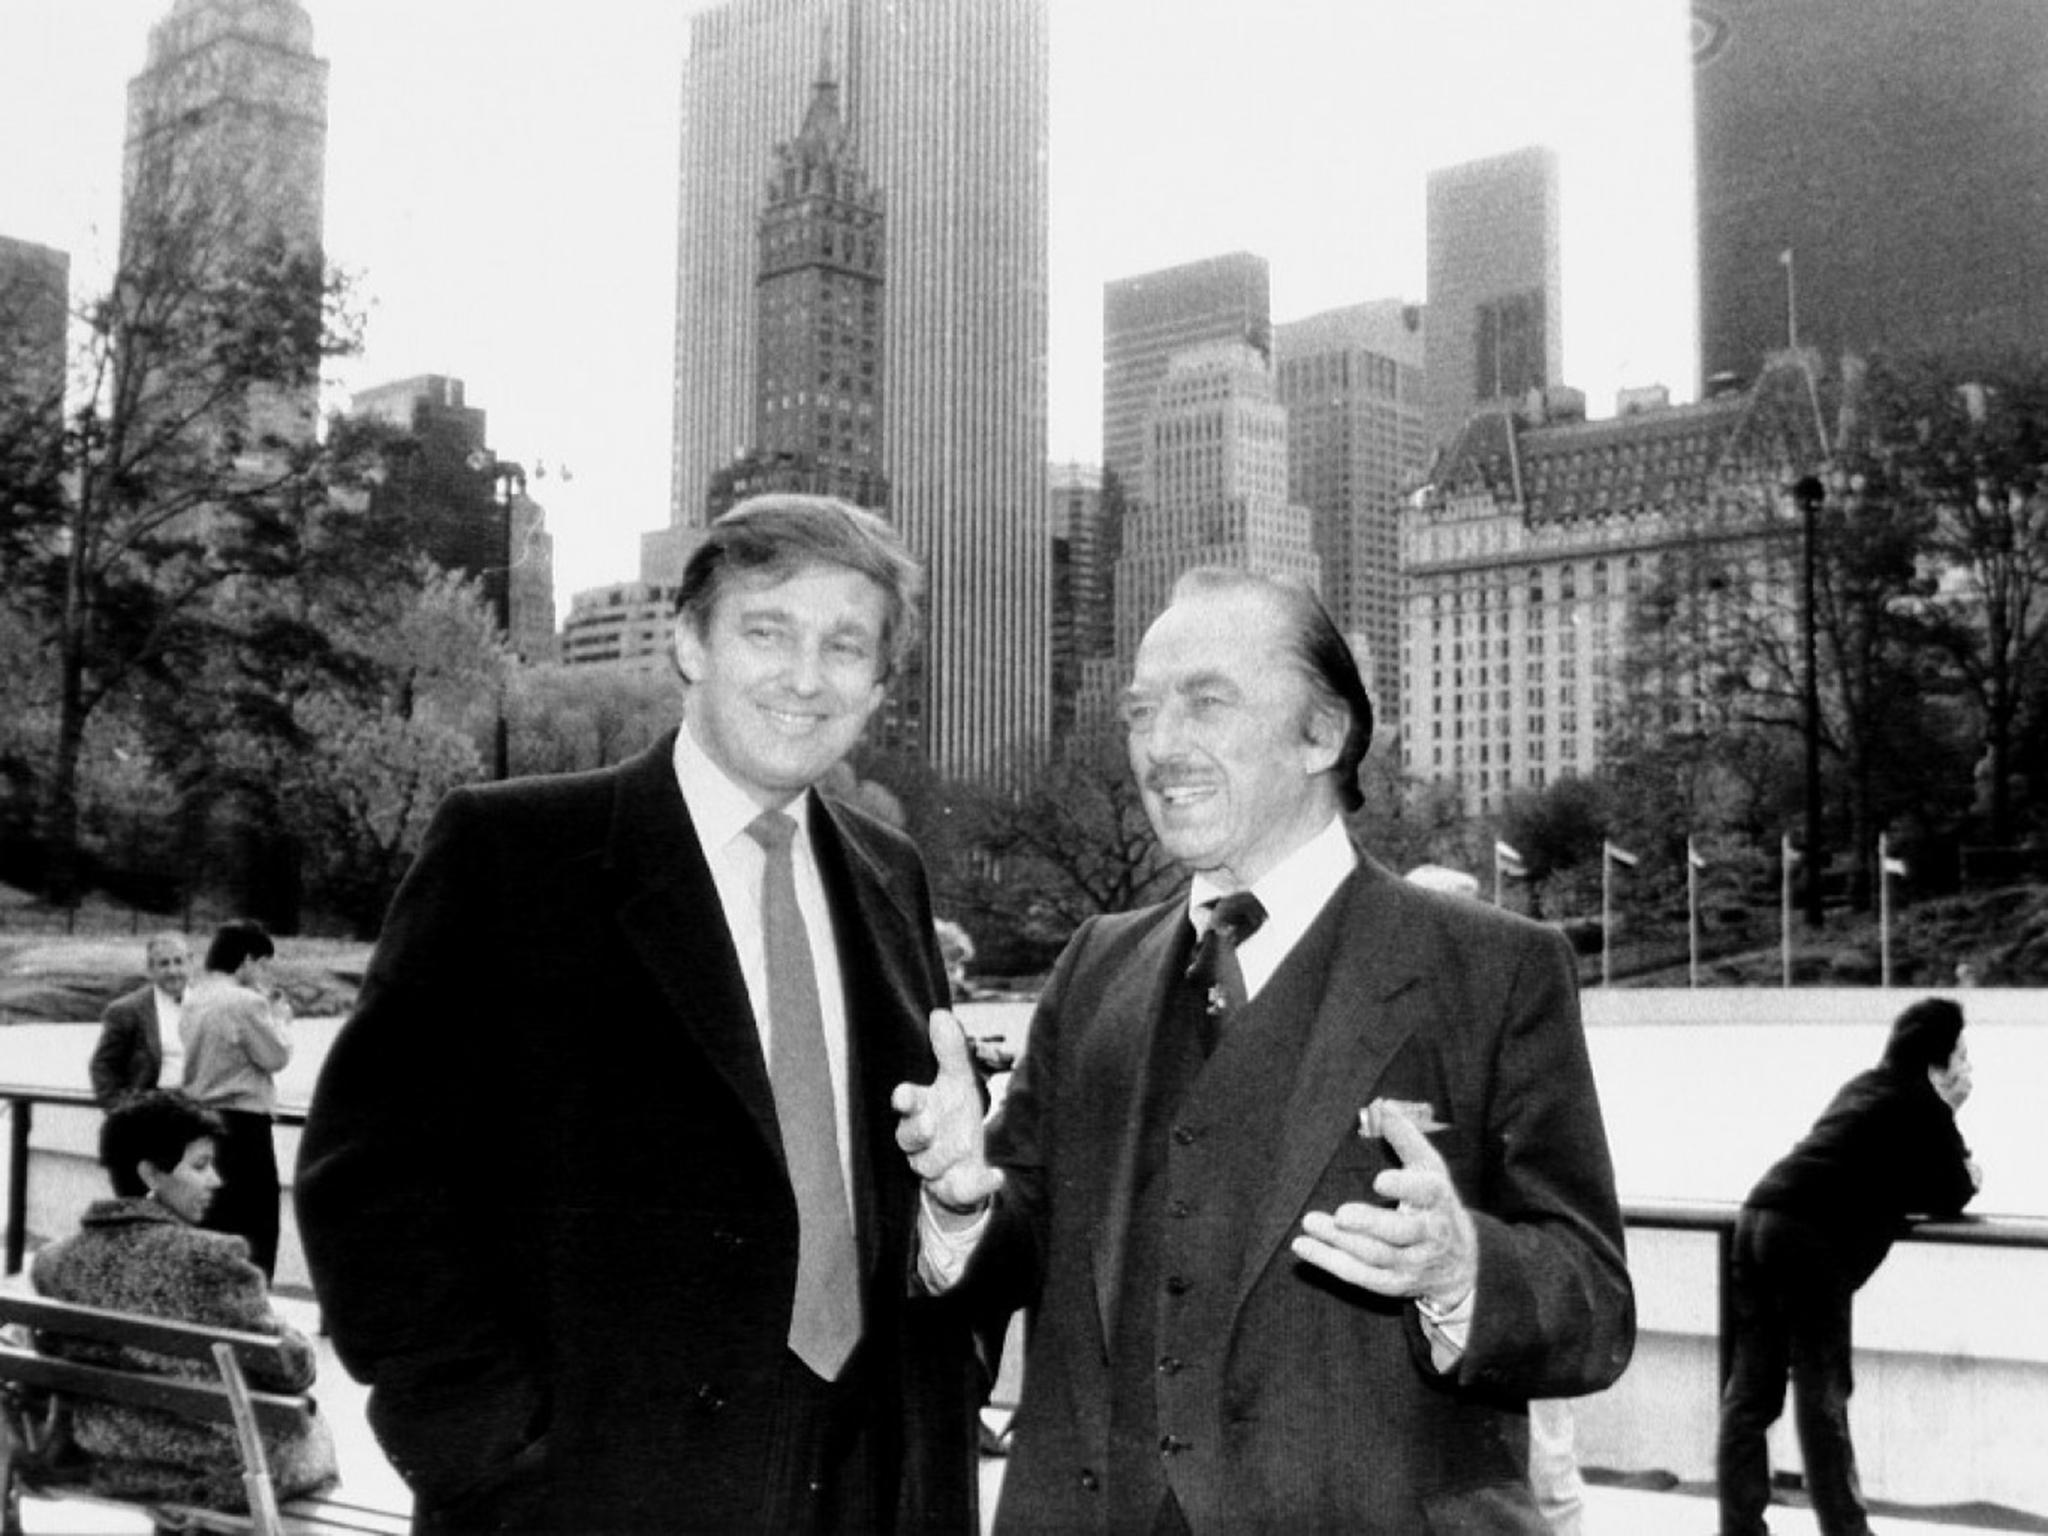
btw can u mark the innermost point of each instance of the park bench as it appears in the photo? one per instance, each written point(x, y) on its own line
point(33, 1387)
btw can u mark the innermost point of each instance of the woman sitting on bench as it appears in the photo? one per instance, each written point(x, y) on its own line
point(144, 1251)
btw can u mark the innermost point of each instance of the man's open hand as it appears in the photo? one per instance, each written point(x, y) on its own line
point(1425, 1246)
point(939, 1124)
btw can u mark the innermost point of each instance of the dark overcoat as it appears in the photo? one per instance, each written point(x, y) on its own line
point(542, 1189)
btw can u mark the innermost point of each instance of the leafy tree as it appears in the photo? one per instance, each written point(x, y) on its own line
point(186, 463)
point(566, 719)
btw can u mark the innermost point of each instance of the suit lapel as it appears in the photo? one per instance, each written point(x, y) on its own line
point(669, 910)
point(883, 944)
point(1357, 1030)
point(1120, 1066)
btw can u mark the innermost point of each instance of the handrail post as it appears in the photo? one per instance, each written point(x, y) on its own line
point(1724, 1299)
point(20, 1113)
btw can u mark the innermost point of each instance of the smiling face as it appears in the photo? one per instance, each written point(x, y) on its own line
point(1231, 757)
point(169, 964)
point(784, 676)
point(186, 1190)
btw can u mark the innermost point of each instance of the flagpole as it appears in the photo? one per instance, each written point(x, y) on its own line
point(1791, 300)
point(1884, 911)
point(1785, 902)
point(1692, 913)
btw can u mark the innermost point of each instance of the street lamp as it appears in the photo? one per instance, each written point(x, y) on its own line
point(1808, 493)
point(508, 481)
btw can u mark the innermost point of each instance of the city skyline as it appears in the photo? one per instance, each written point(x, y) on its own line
point(505, 182)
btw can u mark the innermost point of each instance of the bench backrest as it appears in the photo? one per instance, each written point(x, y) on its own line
point(207, 1400)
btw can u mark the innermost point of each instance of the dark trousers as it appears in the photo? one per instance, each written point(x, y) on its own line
point(1792, 1306)
point(827, 1474)
point(247, 1200)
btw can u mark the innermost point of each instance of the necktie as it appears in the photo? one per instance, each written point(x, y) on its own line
point(824, 1324)
point(1215, 969)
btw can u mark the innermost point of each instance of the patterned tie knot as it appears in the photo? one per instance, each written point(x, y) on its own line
point(777, 829)
point(1236, 916)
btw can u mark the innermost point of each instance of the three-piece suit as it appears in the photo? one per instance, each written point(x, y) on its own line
point(1185, 1370)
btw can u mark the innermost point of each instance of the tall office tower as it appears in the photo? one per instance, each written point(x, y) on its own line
point(1357, 445)
point(945, 107)
point(817, 324)
point(35, 307)
point(460, 511)
point(226, 153)
point(1897, 149)
point(1147, 319)
point(1083, 558)
point(1216, 460)
point(1496, 286)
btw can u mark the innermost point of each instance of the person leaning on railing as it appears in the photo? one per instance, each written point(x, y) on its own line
point(143, 1251)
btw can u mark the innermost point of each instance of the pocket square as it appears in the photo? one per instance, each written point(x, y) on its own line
point(1420, 1111)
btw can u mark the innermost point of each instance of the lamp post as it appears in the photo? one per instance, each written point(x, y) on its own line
point(508, 481)
point(1808, 493)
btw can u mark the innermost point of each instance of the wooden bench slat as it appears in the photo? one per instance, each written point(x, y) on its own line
point(163, 1335)
point(169, 1394)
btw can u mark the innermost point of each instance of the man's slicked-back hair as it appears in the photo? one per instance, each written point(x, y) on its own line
point(235, 941)
point(773, 537)
point(1320, 653)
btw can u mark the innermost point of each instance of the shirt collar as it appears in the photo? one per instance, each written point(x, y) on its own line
point(1294, 890)
point(719, 808)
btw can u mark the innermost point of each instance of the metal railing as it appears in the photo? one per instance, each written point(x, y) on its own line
point(1716, 1217)
point(21, 1100)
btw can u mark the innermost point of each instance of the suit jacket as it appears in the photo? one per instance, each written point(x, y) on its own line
point(1312, 1405)
point(130, 1054)
point(541, 1186)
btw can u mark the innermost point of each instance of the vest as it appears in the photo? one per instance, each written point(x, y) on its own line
point(1209, 1134)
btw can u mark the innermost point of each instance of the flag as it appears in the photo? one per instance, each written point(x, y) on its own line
point(1894, 866)
point(1692, 856)
point(1620, 856)
point(1507, 858)
point(1785, 257)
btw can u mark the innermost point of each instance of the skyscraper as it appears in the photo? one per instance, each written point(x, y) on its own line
point(35, 298)
point(1148, 318)
point(445, 487)
point(945, 107)
point(226, 155)
point(1216, 462)
point(1083, 562)
point(1896, 149)
point(1495, 285)
point(817, 323)
point(1357, 445)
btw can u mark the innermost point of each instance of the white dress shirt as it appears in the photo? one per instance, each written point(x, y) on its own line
point(721, 812)
point(170, 1024)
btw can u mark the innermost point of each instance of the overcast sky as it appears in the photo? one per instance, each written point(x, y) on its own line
point(501, 176)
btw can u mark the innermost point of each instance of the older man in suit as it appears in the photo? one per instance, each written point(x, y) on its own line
point(139, 1027)
point(599, 1187)
point(1302, 1172)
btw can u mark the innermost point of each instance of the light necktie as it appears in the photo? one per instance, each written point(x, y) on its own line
point(1215, 969)
point(825, 1323)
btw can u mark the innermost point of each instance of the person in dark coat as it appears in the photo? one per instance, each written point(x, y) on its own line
point(1306, 1216)
point(558, 1209)
point(143, 1251)
point(1815, 1228)
point(139, 1028)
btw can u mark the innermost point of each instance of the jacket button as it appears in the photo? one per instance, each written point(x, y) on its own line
point(1170, 1365)
point(1184, 1136)
point(1088, 1480)
point(1173, 1445)
point(1178, 1285)
point(709, 1398)
point(1179, 1210)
